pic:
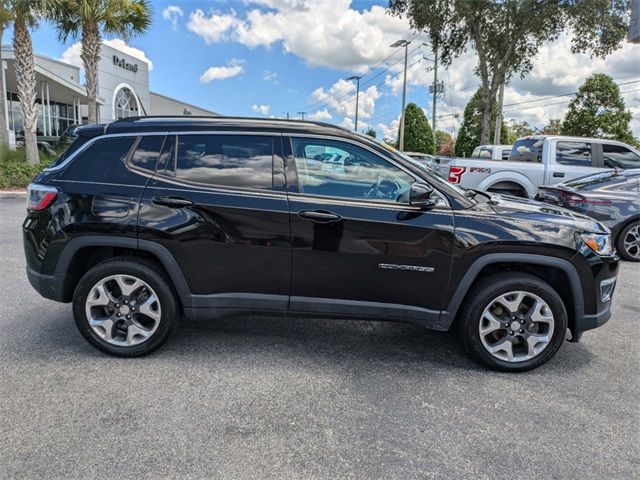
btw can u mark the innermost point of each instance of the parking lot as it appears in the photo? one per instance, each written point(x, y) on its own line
point(299, 398)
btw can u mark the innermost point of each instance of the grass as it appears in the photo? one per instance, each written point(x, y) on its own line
point(15, 173)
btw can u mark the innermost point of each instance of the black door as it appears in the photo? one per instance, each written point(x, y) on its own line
point(217, 204)
point(357, 240)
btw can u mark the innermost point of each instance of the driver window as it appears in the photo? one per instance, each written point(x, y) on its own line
point(338, 169)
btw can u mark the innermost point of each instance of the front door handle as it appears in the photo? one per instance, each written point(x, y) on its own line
point(319, 216)
point(173, 202)
point(558, 174)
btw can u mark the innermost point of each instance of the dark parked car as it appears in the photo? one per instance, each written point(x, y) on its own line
point(145, 218)
point(612, 198)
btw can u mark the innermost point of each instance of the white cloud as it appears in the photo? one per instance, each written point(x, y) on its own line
point(269, 76)
point(261, 109)
point(320, 116)
point(72, 54)
point(323, 33)
point(234, 69)
point(171, 14)
point(341, 98)
point(212, 28)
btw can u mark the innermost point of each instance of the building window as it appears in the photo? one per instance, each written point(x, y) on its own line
point(61, 115)
point(126, 104)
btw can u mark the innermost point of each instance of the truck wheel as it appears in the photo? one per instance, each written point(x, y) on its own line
point(628, 242)
point(125, 307)
point(512, 322)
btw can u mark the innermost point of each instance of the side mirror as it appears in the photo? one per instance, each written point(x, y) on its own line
point(420, 195)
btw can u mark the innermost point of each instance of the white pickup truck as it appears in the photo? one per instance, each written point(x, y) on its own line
point(536, 161)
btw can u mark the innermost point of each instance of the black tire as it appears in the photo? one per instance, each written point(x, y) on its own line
point(620, 242)
point(488, 289)
point(147, 272)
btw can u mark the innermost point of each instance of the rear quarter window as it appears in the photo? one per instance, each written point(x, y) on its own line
point(574, 153)
point(103, 161)
point(527, 150)
point(73, 147)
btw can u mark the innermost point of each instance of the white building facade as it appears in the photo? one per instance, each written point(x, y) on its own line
point(123, 91)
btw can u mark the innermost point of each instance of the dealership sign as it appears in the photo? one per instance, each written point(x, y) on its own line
point(122, 63)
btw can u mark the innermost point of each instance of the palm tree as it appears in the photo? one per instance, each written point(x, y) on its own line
point(89, 19)
point(25, 14)
point(5, 19)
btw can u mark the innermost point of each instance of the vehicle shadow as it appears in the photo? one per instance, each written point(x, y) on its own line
point(304, 341)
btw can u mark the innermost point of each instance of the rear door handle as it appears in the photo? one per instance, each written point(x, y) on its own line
point(558, 174)
point(173, 202)
point(319, 216)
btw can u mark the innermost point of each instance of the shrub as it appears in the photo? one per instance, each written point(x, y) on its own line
point(15, 172)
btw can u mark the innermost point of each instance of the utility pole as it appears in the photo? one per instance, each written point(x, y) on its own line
point(435, 89)
point(357, 79)
point(301, 115)
point(405, 44)
point(497, 134)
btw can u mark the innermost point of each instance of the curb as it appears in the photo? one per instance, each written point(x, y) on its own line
point(13, 194)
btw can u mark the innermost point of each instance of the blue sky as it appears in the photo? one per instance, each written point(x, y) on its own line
point(283, 56)
point(283, 81)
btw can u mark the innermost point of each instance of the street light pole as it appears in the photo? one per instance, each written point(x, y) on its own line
point(357, 79)
point(405, 44)
point(435, 89)
point(301, 115)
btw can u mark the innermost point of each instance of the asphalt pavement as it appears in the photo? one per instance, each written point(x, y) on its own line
point(298, 398)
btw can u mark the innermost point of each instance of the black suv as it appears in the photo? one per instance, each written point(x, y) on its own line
point(144, 219)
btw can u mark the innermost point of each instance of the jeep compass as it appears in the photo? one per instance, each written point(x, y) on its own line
point(144, 220)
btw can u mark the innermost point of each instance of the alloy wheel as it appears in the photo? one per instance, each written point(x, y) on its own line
point(516, 326)
point(123, 310)
point(631, 242)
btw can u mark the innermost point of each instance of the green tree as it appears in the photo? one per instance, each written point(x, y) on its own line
point(598, 110)
point(25, 15)
point(418, 136)
point(518, 130)
point(89, 20)
point(470, 134)
point(507, 34)
point(554, 127)
point(371, 132)
point(5, 19)
point(444, 143)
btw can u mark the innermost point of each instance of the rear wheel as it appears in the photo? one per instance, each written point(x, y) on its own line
point(512, 322)
point(125, 307)
point(628, 242)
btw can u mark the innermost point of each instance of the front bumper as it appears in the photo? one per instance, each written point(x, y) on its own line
point(584, 323)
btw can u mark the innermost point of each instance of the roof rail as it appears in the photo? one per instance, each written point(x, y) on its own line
point(221, 119)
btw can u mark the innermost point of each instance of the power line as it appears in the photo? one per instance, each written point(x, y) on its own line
point(325, 102)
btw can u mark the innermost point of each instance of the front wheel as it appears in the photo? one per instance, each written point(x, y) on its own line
point(512, 322)
point(629, 242)
point(125, 307)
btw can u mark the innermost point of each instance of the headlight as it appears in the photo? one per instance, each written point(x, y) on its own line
point(600, 243)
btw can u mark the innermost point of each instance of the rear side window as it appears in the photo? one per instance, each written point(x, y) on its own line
point(527, 150)
point(102, 161)
point(574, 153)
point(75, 146)
point(145, 156)
point(244, 161)
point(617, 156)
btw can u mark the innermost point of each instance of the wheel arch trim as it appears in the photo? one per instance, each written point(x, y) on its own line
point(160, 252)
point(469, 278)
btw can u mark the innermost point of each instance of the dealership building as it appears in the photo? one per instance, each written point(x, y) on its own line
point(123, 91)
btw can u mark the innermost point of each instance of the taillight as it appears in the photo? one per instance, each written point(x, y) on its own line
point(455, 173)
point(40, 197)
point(572, 199)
